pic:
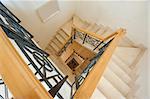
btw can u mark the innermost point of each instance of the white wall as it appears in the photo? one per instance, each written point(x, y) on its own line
point(43, 32)
point(148, 70)
point(129, 15)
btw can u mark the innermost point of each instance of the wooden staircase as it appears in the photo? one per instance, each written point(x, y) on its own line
point(119, 78)
point(34, 75)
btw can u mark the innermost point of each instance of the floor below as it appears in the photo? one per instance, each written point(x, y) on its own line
point(75, 51)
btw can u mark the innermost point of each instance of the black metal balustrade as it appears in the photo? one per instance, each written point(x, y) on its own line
point(8, 12)
point(79, 79)
point(96, 43)
point(37, 59)
point(88, 39)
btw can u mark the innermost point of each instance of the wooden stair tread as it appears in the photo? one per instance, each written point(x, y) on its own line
point(121, 64)
point(57, 43)
point(79, 22)
point(94, 28)
point(55, 46)
point(116, 81)
point(126, 42)
point(60, 38)
point(119, 72)
point(127, 54)
point(109, 90)
point(90, 27)
point(107, 32)
point(67, 28)
point(98, 95)
point(64, 34)
point(102, 30)
point(50, 49)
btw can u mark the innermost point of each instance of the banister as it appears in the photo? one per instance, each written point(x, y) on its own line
point(17, 75)
point(110, 36)
point(88, 33)
point(87, 88)
point(93, 34)
point(73, 32)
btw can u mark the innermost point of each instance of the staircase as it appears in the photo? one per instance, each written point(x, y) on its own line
point(64, 33)
point(37, 75)
point(119, 79)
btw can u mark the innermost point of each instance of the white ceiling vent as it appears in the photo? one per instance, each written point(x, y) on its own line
point(48, 10)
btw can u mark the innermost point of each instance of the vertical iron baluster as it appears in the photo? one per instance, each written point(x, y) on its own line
point(6, 92)
point(106, 45)
point(57, 87)
point(97, 45)
point(84, 38)
point(76, 82)
point(44, 71)
point(71, 93)
point(74, 33)
point(72, 39)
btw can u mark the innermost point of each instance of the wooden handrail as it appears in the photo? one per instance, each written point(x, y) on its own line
point(110, 36)
point(93, 34)
point(16, 74)
point(88, 33)
point(87, 88)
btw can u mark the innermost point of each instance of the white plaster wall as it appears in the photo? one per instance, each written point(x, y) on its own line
point(148, 70)
point(129, 15)
point(43, 32)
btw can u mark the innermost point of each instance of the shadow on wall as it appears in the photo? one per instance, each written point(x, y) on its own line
point(128, 14)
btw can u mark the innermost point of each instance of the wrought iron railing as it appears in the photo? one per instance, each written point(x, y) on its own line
point(3, 90)
point(79, 79)
point(38, 60)
point(8, 12)
point(97, 44)
point(85, 38)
